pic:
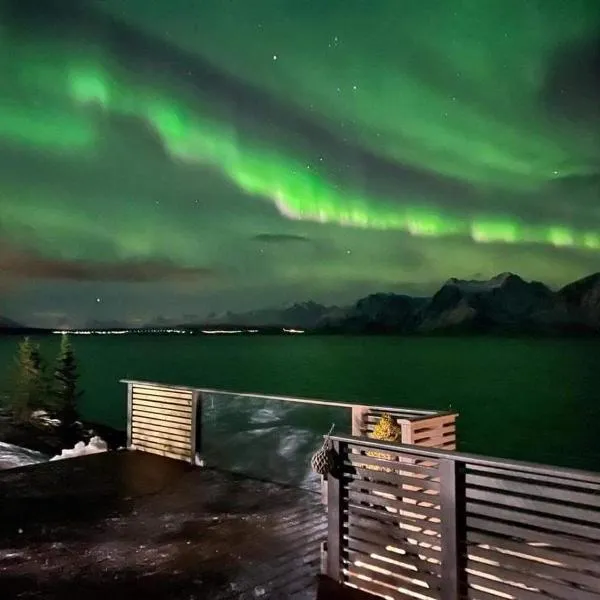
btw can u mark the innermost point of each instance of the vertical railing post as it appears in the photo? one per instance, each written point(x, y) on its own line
point(196, 432)
point(129, 414)
point(335, 513)
point(359, 425)
point(453, 529)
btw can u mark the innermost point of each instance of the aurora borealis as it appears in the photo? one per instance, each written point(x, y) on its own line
point(186, 157)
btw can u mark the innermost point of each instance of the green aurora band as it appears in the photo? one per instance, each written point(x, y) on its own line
point(93, 83)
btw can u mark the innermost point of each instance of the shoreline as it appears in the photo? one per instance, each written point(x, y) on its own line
point(41, 436)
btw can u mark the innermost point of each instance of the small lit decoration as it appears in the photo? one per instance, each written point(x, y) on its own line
point(322, 461)
point(386, 430)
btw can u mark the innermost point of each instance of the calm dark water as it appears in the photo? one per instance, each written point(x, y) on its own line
point(535, 400)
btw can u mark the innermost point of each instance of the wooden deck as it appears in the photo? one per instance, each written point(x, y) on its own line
point(124, 524)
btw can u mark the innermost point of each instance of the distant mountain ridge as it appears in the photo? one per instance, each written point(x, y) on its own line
point(504, 303)
point(9, 324)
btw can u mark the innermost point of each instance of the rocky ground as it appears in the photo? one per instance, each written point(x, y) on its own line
point(41, 434)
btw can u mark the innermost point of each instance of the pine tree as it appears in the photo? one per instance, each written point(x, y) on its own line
point(30, 386)
point(65, 390)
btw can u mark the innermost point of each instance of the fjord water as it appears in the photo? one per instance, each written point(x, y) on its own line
point(528, 399)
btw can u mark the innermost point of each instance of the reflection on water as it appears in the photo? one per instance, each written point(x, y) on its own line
point(264, 438)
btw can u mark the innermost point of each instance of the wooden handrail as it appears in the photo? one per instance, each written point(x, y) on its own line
point(410, 413)
point(473, 459)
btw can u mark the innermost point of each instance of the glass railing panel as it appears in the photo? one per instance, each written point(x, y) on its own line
point(267, 438)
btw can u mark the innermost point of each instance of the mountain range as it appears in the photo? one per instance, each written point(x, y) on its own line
point(8, 324)
point(504, 303)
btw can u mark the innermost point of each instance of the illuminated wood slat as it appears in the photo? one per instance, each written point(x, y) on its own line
point(161, 452)
point(153, 428)
point(160, 409)
point(183, 403)
point(163, 435)
point(156, 418)
point(162, 442)
point(163, 392)
point(159, 425)
point(184, 452)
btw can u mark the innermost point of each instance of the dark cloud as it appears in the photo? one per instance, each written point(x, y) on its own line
point(572, 84)
point(280, 238)
point(20, 264)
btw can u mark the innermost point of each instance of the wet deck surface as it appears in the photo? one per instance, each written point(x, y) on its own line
point(124, 524)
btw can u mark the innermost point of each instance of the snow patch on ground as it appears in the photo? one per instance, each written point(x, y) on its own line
point(12, 456)
point(95, 446)
point(43, 418)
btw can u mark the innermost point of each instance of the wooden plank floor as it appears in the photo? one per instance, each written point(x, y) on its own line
point(124, 524)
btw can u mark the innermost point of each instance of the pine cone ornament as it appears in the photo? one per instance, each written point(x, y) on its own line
point(322, 461)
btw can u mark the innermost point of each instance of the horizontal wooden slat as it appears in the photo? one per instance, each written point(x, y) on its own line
point(407, 565)
point(398, 478)
point(411, 511)
point(590, 485)
point(159, 451)
point(436, 442)
point(399, 493)
point(381, 584)
point(432, 423)
point(527, 503)
point(396, 576)
point(475, 594)
point(156, 428)
point(545, 553)
point(521, 579)
point(504, 588)
point(161, 435)
point(376, 544)
point(531, 566)
point(166, 406)
point(423, 537)
point(517, 530)
point(154, 418)
point(161, 446)
point(447, 429)
point(543, 490)
point(550, 524)
point(161, 442)
point(359, 460)
point(162, 392)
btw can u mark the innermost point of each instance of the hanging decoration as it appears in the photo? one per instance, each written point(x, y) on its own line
point(322, 461)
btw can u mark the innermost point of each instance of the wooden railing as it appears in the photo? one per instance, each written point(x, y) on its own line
point(406, 521)
point(162, 420)
point(167, 419)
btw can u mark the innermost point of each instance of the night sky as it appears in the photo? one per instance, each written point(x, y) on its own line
point(181, 157)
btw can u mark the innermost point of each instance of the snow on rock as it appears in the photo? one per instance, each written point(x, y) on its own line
point(95, 446)
point(12, 456)
point(42, 417)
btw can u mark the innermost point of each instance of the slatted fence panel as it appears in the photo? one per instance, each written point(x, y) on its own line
point(424, 523)
point(437, 430)
point(392, 524)
point(532, 535)
point(161, 421)
point(433, 432)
